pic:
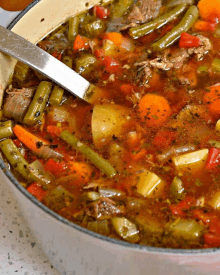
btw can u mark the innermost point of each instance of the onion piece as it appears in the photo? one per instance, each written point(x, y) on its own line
point(46, 152)
point(108, 121)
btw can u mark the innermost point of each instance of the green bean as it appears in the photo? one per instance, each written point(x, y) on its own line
point(101, 227)
point(176, 188)
point(85, 64)
point(216, 65)
point(67, 60)
point(16, 160)
point(120, 7)
point(95, 28)
point(6, 129)
point(40, 76)
point(157, 23)
point(40, 173)
point(58, 198)
point(36, 108)
point(56, 96)
point(185, 24)
point(97, 160)
point(21, 72)
point(73, 28)
point(174, 3)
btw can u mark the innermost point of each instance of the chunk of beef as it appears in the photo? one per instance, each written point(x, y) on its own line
point(202, 49)
point(144, 10)
point(144, 72)
point(17, 102)
point(104, 208)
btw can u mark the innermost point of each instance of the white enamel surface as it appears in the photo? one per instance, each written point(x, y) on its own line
point(71, 251)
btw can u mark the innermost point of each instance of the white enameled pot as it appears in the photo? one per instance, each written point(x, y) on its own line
point(74, 250)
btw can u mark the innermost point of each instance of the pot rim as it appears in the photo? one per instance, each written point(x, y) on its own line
point(140, 248)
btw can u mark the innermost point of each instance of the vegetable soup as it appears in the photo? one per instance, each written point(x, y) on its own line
point(141, 162)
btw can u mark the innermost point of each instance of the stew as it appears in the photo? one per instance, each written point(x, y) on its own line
point(141, 163)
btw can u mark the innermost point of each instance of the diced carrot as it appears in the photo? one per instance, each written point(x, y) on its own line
point(81, 170)
point(36, 190)
point(81, 43)
point(56, 167)
point(211, 240)
point(154, 110)
point(163, 139)
point(212, 99)
point(204, 26)
point(209, 10)
point(33, 142)
point(115, 37)
point(54, 130)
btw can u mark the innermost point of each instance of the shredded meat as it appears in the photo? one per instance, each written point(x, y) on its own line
point(144, 72)
point(202, 49)
point(104, 209)
point(17, 102)
point(144, 10)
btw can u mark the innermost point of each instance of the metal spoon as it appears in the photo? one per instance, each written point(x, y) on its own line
point(39, 60)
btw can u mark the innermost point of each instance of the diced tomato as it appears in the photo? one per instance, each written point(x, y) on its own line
point(212, 240)
point(213, 158)
point(204, 26)
point(81, 43)
point(101, 12)
point(204, 217)
point(56, 167)
point(111, 64)
point(188, 41)
point(54, 130)
point(183, 205)
point(163, 139)
point(99, 54)
point(18, 143)
point(57, 55)
point(36, 190)
point(127, 89)
point(133, 140)
point(215, 226)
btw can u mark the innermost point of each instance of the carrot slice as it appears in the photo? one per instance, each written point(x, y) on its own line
point(154, 110)
point(212, 99)
point(33, 142)
point(209, 10)
point(81, 43)
point(115, 37)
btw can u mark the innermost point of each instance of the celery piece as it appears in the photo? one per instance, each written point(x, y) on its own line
point(176, 188)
